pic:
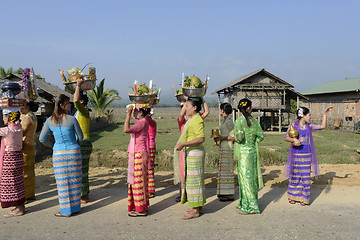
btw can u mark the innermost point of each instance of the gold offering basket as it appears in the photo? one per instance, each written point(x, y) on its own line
point(293, 133)
point(215, 133)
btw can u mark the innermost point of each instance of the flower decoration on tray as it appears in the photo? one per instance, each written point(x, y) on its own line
point(69, 78)
point(144, 94)
point(193, 87)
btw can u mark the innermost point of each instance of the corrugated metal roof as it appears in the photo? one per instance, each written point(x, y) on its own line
point(240, 79)
point(347, 85)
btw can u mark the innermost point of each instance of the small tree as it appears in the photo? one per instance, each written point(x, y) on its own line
point(293, 106)
point(100, 100)
point(3, 73)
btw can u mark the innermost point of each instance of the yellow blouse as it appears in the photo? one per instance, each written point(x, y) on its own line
point(195, 129)
point(83, 118)
point(29, 125)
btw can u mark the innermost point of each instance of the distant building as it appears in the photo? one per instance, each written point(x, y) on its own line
point(344, 95)
point(270, 96)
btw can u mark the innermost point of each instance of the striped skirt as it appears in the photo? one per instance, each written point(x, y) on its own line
point(300, 179)
point(12, 188)
point(193, 187)
point(29, 170)
point(225, 184)
point(86, 149)
point(151, 178)
point(67, 169)
point(138, 197)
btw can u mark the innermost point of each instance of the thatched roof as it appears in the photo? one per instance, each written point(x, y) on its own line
point(243, 79)
point(247, 80)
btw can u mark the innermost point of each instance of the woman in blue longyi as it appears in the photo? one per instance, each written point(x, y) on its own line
point(66, 155)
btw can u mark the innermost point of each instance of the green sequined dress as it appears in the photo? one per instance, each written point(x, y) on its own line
point(247, 164)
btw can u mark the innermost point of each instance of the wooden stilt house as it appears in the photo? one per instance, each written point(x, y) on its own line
point(270, 96)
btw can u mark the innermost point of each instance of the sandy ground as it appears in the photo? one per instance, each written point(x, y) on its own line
point(334, 212)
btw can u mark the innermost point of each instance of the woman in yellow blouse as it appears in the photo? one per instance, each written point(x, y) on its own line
point(83, 117)
point(29, 125)
point(191, 140)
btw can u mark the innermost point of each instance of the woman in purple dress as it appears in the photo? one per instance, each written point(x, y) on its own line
point(302, 157)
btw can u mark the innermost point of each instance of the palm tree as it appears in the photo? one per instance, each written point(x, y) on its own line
point(3, 73)
point(100, 100)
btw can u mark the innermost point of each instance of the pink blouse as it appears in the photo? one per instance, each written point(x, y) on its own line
point(12, 135)
point(140, 129)
point(152, 131)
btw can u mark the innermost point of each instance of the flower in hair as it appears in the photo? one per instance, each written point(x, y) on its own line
point(243, 104)
point(300, 112)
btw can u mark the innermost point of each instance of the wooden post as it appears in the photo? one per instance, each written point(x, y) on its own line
point(297, 102)
point(258, 116)
point(280, 120)
point(219, 109)
point(272, 121)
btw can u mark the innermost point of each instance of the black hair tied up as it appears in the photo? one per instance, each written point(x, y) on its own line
point(243, 105)
point(33, 106)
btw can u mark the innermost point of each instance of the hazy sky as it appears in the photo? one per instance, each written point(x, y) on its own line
point(306, 43)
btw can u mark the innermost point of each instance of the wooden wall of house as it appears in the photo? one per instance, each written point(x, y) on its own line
point(346, 111)
point(261, 99)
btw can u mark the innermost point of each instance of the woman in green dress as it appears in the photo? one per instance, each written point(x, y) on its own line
point(248, 134)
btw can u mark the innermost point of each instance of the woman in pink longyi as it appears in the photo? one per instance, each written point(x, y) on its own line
point(138, 198)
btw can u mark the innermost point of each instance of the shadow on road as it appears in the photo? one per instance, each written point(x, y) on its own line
point(323, 183)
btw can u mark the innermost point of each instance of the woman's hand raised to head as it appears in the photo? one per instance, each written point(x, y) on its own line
point(129, 109)
point(79, 81)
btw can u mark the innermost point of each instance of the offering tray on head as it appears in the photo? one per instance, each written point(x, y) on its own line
point(194, 92)
point(142, 98)
point(85, 86)
point(10, 89)
point(180, 97)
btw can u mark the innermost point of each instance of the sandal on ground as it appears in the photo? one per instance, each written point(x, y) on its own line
point(291, 201)
point(303, 204)
point(190, 215)
point(14, 214)
point(151, 195)
point(243, 213)
point(178, 199)
point(137, 214)
point(58, 214)
point(225, 199)
point(84, 199)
